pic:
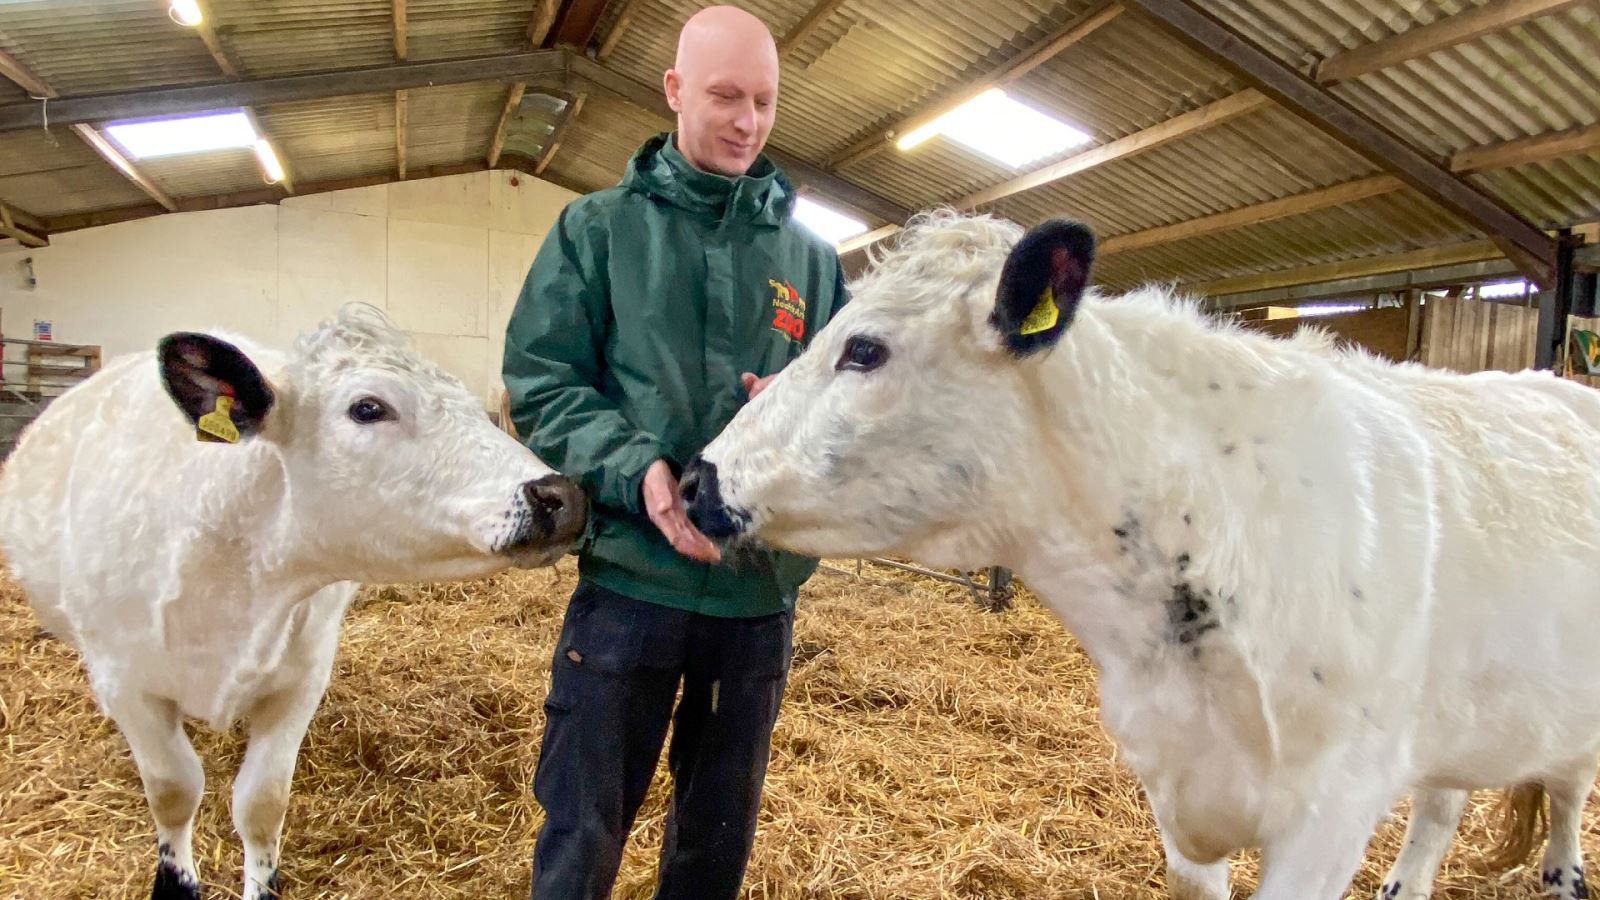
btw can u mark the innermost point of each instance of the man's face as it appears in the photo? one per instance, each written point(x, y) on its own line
point(726, 100)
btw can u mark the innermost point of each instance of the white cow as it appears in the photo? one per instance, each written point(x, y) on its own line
point(208, 579)
point(1310, 580)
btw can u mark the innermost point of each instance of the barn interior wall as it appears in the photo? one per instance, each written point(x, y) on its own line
point(445, 257)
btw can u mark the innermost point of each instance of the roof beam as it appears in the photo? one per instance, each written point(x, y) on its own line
point(1005, 74)
point(544, 66)
point(1533, 250)
point(1436, 276)
point(96, 218)
point(808, 23)
point(400, 36)
point(618, 29)
point(590, 76)
point(208, 36)
point(27, 230)
point(1476, 22)
point(574, 107)
point(1255, 214)
point(1448, 254)
point(23, 77)
point(1474, 159)
point(401, 101)
point(507, 111)
point(1180, 126)
point(113, 156)
point(1541, 148)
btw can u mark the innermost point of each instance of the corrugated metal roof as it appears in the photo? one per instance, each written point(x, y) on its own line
point(862, 70)
point(57, 174)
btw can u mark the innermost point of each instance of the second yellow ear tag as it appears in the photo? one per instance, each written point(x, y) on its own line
point(1044, 316)
point(217, 426)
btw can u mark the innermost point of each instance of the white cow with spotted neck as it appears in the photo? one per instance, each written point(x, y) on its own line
point(207, 579)
point(1310, 580)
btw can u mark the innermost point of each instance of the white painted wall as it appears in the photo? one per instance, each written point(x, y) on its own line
point(444, 256)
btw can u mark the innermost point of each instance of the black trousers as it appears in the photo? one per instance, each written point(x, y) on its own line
point(613, 678)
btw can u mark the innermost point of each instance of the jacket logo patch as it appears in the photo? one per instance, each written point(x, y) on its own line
point(788, 310)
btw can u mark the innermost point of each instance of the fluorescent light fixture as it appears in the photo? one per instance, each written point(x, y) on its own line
point(269, 161)
point(1329, 309)
point(143, 139)
point(1502, 289)
point(184, 12)
point(1000, 128)
point(832, 225)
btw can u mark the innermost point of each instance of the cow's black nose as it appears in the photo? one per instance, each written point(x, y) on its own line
point(702, 497)
point(558, 504)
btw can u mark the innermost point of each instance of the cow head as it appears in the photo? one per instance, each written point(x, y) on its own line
point(886, 435)
point(393, 470)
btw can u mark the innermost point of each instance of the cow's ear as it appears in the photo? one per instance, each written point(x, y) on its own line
point(216, 385)
point(1041, 284)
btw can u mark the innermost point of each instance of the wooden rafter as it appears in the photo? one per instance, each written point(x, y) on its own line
point(544, 16)
point(26, 229)
point(1006, 73)
point(1531, 249)
point(400, 36)
point(1496, 15)
point(1448, 254)
point(1541, 148)
point(401, 100)
point(23, 77)
point(618, 29)
point(542, 66)
point(207, 31)
point(808, 23)
point(1180, 126)
point(574, 107)
point(114, 156)
point(1298, 204)
point(507, 111)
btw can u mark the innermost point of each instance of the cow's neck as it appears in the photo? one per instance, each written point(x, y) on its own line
point(1120, 503)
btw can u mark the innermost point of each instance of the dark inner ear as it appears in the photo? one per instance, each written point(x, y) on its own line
point(1041, 284)
point(198, 368)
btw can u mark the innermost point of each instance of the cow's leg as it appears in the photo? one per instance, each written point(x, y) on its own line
point(1562, 869)
point(278, 723)
point(1187, 879)
point(173, 780)
point(1435, 815)
point(1317, 858)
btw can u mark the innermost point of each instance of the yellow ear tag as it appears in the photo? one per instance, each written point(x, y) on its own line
point(217, 426)
point(1044, 316)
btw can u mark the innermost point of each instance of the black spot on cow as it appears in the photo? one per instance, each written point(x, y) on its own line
point(1228, 449)
point(1390, 890)
point(1317, 674)
point(1355, 592)
point(1214, 386)
point(1190, 613)
point(1188, 519)
point(1183, 563)
point(273, 890)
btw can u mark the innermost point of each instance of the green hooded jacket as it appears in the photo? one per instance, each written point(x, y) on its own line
point(645, 303)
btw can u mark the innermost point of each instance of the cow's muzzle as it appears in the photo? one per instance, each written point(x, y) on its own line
point(558, 512)
point(702, 496)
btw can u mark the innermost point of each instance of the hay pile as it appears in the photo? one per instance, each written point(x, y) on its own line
point(926, 749)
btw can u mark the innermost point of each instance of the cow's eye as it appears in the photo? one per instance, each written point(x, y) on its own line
point(368, 410)
point(863, 354)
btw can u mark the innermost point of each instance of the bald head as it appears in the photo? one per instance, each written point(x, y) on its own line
point(724, 88)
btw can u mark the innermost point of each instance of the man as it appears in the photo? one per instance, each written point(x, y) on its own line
point(653, 311)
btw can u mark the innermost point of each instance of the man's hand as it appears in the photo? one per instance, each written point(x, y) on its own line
point(755, 385)
point(666, 510)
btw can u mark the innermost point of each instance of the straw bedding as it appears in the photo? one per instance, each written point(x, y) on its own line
point(926, 749)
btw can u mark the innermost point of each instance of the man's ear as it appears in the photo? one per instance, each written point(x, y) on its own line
point(1041, 284)
point(672, 85)
point(198, 369)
